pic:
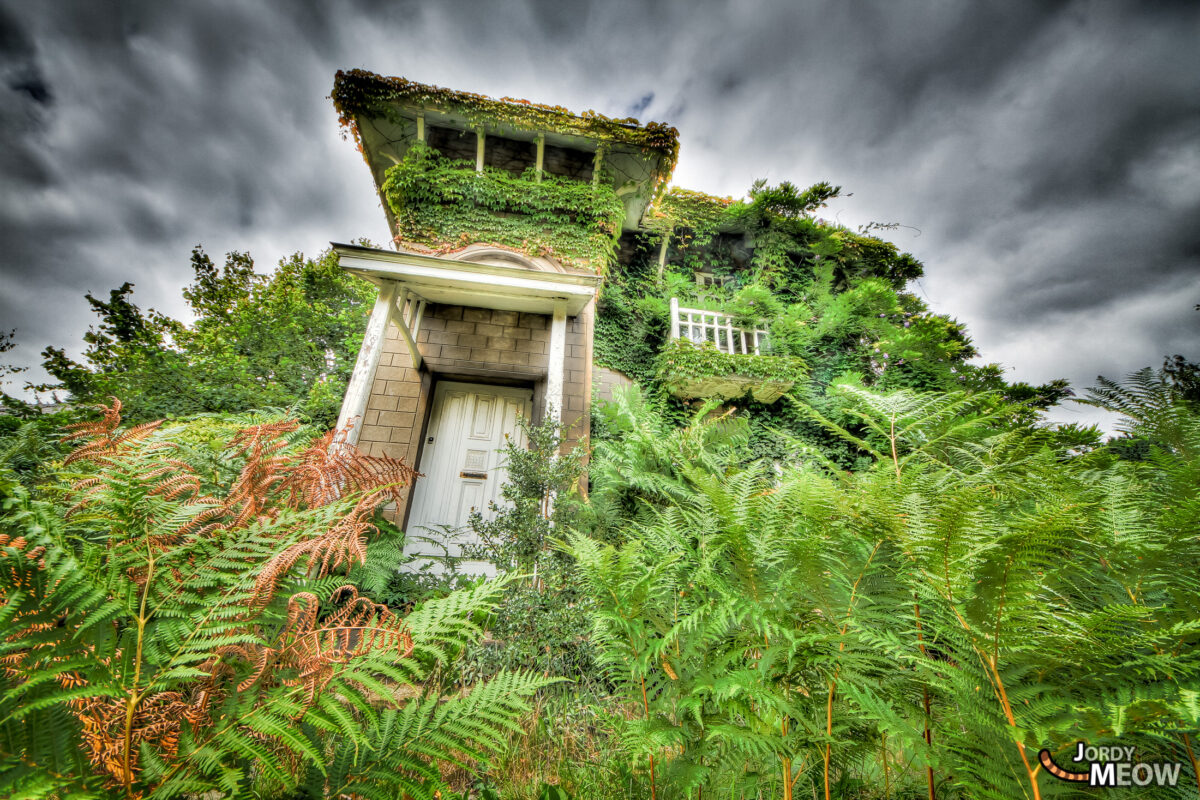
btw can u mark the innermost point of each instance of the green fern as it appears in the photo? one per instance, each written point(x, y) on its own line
point(928, 623)
point(177, 621)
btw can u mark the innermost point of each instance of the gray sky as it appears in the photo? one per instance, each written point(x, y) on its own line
point(1045, 157)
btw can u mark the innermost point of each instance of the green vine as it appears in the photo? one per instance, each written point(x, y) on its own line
point(445, 204)
point(831, 298)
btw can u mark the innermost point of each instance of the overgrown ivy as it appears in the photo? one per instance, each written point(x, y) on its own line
point(446, 204)
point(695, 215)
point(680, 360)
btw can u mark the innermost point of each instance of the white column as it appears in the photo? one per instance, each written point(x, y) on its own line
point(674, 318)
point(555, 377)
point(401, 299)
point(359, 389)
point(415, 325)
point(479, 150)
point(541, 155)
point(597, 163)
point(558, 351)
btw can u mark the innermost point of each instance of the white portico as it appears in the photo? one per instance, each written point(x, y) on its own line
point(474, 340)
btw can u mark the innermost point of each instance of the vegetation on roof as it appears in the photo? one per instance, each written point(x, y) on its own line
point(359, 92)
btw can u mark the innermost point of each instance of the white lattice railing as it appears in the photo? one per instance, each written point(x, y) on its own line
point(700, 326)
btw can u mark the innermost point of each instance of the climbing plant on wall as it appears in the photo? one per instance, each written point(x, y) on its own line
point(446, 204)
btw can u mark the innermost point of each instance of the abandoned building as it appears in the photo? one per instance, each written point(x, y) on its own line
point(504, 215)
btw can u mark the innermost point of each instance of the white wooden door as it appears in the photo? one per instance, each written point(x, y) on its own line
point(468, 425)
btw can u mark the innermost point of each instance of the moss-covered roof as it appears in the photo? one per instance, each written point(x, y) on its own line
point(359, 92)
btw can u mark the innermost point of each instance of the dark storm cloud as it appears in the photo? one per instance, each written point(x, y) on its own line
point(168, 127)
point(1047, 153)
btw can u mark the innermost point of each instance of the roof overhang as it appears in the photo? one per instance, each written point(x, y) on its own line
point(635, 171)
point(443, 280)
point(383, 115)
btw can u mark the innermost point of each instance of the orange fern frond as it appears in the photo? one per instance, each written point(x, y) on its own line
point(105, 437)
point(359, 626)
point(344, 544)
point(110, 419)
point(332, 468)
point(263, 471)
point(202, 524)
point(156, 722)
point(175, 479)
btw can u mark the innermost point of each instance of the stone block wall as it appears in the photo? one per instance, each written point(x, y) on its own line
point(604, 380)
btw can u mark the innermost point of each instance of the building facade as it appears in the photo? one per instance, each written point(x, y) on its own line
point(504, 215)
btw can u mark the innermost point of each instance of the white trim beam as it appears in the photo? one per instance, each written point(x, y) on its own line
point(414, 322)
point(354, 405)
point(397, 318)
point(438, 280)
point(541, 155)
point(597, 163)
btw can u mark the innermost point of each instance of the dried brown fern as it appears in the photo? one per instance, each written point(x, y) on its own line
point(309, 648)
point(304, 652)
point(105, 438)
point(175, 480)
point(265, 468)
point(332, 468)
point(20, 581)
point(341, 546)
point(156, 722)
point(313, 647)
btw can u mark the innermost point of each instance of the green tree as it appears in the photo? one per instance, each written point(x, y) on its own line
point(285, 339)
point(840, 301)
point(128, 354)
point(13, 405)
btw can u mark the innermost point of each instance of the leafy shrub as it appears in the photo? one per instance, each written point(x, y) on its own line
point(681, 360)
point(544, 622)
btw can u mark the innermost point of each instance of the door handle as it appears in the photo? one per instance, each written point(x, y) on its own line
point(477, 475)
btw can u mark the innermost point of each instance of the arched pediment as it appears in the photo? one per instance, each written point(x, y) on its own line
point(501, 257)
